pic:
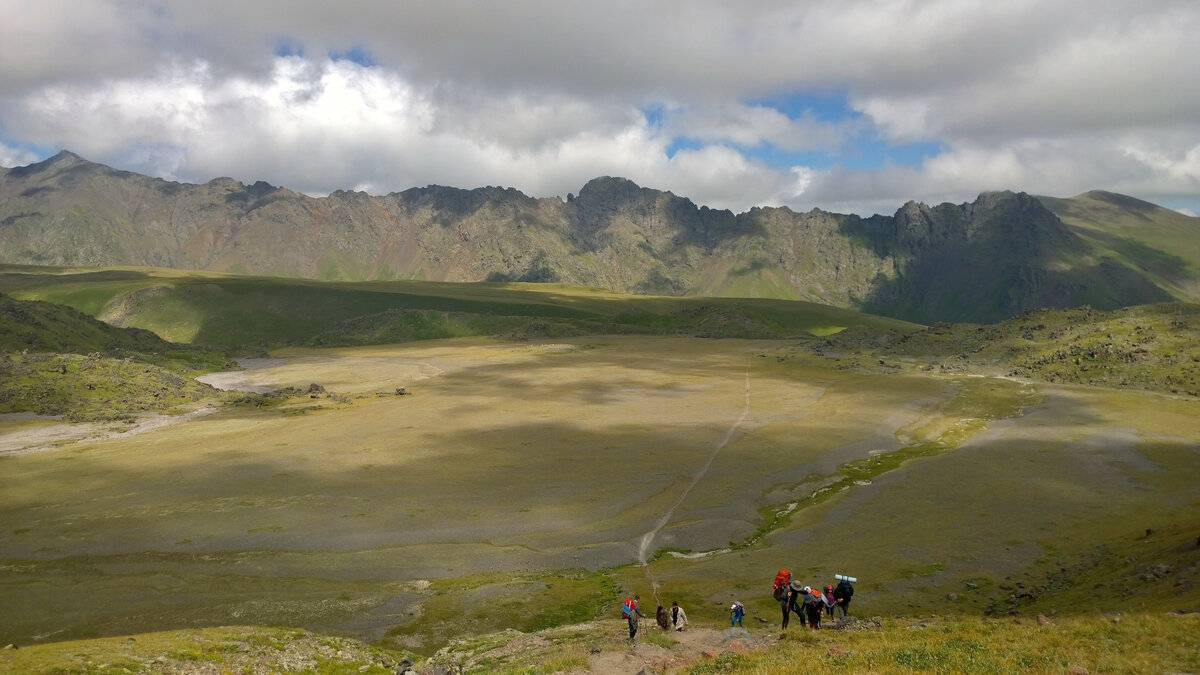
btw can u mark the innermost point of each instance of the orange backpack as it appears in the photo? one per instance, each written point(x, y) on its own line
point(782, 579)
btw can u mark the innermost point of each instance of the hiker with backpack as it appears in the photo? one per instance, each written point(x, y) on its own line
point(830, 601)
point(842, 594)
point(784, 595)
point(736, 611)
point(661, 617)
point(630, 611)
point(678, 616)
point(814, 604)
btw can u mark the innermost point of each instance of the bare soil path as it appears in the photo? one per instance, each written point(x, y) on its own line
point(648, 538)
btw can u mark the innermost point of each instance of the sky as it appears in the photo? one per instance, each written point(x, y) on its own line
point(852, 106)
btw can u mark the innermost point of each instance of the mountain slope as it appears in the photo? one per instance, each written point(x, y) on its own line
point(982, 261)
point(1162, 244)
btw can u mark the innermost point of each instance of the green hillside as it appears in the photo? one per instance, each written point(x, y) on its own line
point(1151, 347)
point(209, 309)
point(56, 360)
point(1162, 244)
point(48, 327)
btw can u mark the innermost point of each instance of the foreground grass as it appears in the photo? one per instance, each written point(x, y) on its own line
point(1137, 643)
point(237, 649)
point(1115, 643)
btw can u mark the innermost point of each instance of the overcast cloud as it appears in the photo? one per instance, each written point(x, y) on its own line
point(854, 106)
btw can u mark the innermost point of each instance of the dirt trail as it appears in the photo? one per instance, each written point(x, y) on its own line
point(690, 645)
point(51, 436)
point(648, 538)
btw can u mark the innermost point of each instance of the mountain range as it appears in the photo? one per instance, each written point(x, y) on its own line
point(983, 261)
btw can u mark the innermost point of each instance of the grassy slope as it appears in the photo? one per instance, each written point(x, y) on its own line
point(58, 361)
point(1152, 347)
point(210, 309)
point(1135, 643)
point(47, 327)
point(1163, 244)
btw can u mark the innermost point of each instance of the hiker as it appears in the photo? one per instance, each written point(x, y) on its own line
point(793, 602)
point(830, 601)
point(842, 595)
point(664, 621)
point(781, 590)
point(814, 603)
point(736, 611)
point(678, 616)
point(631, 611)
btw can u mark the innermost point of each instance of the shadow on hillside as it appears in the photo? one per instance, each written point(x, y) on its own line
point(984, 280)
point(11, 280)
point(1147, 258)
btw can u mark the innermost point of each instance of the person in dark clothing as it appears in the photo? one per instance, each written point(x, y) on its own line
point(791, 603)
point(632, 611)
point(842, 595)
point(813, 604)
point(830, 601)
point(663, 619)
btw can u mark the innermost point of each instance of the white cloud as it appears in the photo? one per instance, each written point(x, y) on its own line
point(757, 125)
point(1051, 98)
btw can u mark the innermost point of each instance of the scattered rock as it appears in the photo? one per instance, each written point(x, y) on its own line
point(1077, 670)
point(835, 652)
point(1043, 620)
point(1154, 572)
point(11, 646)
point(952, 596)
point(971, 586)
point(735, 648)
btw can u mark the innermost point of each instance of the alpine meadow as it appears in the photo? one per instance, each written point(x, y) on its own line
point(407, 440)
point(601, 338)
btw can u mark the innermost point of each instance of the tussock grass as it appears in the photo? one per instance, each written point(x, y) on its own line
point(233, 649)
point(1140, 643)
point(1152, 347)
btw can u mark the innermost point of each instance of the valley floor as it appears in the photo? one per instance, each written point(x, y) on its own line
point(435, 490)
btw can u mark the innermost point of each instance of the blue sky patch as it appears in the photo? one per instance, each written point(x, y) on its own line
point(827, 108)
point(356, 54)
point(286, 47)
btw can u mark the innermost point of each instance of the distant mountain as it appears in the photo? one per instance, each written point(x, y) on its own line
point(984, 261)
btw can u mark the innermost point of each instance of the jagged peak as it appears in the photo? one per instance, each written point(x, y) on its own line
point(63, 159)
point(64, 156)
point(610, 186)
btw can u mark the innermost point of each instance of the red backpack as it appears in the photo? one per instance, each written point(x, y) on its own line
point(627, 608)
point(782, 579)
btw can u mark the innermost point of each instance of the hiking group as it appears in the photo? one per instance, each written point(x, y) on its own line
point(667, 619)
point(810, 603)
point(807, 602)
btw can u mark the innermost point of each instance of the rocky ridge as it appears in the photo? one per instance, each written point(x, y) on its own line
point(981, 261)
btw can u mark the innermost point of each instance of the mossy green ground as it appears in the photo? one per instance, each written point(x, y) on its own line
point(1139, 643)
point(512, 487)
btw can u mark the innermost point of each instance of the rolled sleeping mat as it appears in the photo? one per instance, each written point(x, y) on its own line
point(842, 577)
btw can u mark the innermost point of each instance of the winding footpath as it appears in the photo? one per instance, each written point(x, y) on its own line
point(648, 538)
